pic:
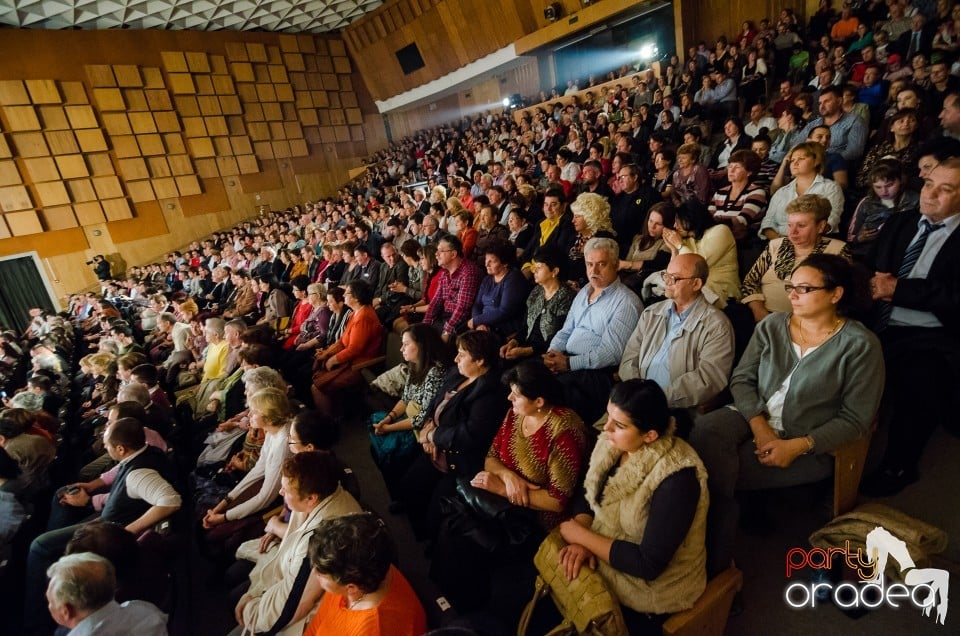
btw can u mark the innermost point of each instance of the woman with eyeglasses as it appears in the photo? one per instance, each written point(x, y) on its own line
point(809, 382)
point(762, 290)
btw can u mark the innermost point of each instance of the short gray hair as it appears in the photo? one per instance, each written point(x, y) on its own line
point(215, 325)
point(263, 378)
point(134, 392)
point(603, 243)
point(85, 581)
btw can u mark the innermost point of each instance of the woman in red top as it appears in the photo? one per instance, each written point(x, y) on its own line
point(300, 313)
point(364, 594)
point(361, 339)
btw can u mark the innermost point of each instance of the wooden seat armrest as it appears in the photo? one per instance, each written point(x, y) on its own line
point(708, 616)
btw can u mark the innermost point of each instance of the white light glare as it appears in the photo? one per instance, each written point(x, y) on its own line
point(506, 102)
point(648, 51)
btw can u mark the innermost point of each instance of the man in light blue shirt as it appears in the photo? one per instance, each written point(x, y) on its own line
point(586, 351)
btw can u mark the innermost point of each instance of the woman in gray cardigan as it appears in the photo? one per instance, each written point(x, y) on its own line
point(809, 382)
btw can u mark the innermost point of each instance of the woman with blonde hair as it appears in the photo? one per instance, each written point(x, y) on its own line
point(807, 161)
point(591, 218)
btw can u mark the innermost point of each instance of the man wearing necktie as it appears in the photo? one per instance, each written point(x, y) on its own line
point(917, 286)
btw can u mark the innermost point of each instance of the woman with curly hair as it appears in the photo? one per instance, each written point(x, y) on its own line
point(591, 218)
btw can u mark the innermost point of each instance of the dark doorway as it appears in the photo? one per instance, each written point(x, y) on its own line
point(21, 287)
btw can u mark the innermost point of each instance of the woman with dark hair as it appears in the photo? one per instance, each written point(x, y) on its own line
point(489, 231)
point(742, 203)
point(800, 393)
point(641, 517)
point(363, 594)
point(393, 441)
point(734, 139)
point(459, 426)
point(463, 221)
point(662, 170)
point(361, 340)
point(520, 232)
point(340, 314)
point(648, 253)
point(690, 181)
point(273, 303)
point(429, 276)
point(901, 143)
point(301, 310)
point(695, 232)
point(499, 303)
point(310, 487)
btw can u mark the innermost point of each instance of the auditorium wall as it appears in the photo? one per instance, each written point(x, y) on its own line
point(133, 143)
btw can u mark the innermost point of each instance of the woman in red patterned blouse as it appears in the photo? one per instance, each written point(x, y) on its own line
point(539, 454)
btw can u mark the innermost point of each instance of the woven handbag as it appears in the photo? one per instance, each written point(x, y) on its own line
point(587, 605)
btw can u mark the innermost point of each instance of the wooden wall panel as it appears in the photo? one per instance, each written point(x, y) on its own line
point(707, 20)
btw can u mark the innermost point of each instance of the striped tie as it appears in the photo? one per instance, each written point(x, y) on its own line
point(910, 258)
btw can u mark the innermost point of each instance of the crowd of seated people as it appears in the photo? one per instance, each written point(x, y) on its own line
point(573, 294)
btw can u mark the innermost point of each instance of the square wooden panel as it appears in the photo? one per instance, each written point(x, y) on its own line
point(107, 187)
point(256, 52)
point(336, 47)
point(141, 191)
point(142, 123)
point(284, 92)
point(4, 230)
point(72, 166)
point(323, 117)
point(330, 82)
point(209, 105)
point(201, 147)
point(308, 44)
point(308, 116)
point(230, 105)
point(327, 135)
point(222, 146)
point(346, 83)
point(42, 169)
point(293, 130)
point(136, 99)
point(223, 85)
point(166, 121)
point(101, 75)
point(9, 174)
point(24, 223)
point(89, 213)
point(159, 167)
point(32, 144)
point(334, 98)
point(341, 65)
point(53, 193)
point(207, 168)
point(266, 93)
point(227, 166)
point(259, 131)
point(150, 145)
point(289, 111)
point(278, 74)
point(248, 164)
point(293, 61)
point(272, 112)
point(243, 71)
point(21, 118)
point(248, 93)
point(158, 99)
point(240, 145)
point(254, 113)
point(165, 188)
point(125, 146)
point(337, 116)
point(187, 105)
point(325, 65)
point(74, 93)
point(260, 74)
point(5, 151)
point(299, 81)
point(58, 218)
point(236, 51)
point(236, 125)
point(204, 84)
point(109, 99)
point(44, 91)
point(342, 133)
point(128, 75)
point(310, 64)
point(13, 198)
point(281, 149)
point(277, 130)
point(218, 65)
point(152, 77)
point(197, 62)
point(62, 142)
point(13, 92)
point(354, 116)
point(311, 134)
point(174, 61)
point(303, 100)
point(320, 99)
point(273, 55)
point(181, 83)
point(174, 143)
point(216, 125)
point(81, 190)
point(263, 150)
point(100, 164)
point(188, 185)
point(194, 127)
point(133, 168)
point(348, 100)
point(298, 148)
point(288, 43)
point(91, 140)
point(54, 118)
point(117, 209)
point(315, 81)
point(180, 165)
point(81, 117)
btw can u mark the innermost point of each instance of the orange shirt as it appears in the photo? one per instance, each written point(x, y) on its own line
point(361, 337)
point(398, 614)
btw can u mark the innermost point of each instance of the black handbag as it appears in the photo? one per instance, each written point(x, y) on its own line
point(487, 519)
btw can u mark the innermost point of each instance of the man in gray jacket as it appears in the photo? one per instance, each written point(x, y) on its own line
point(684, 343)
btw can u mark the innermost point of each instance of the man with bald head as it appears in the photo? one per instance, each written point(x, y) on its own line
point(683, 343)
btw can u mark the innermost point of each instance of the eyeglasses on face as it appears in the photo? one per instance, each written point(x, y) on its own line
point(671, 279)
point(802, 289)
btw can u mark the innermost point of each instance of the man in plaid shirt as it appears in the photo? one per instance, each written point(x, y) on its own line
point(450, 307)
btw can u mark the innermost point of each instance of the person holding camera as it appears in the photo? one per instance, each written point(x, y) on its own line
point(101, 267)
